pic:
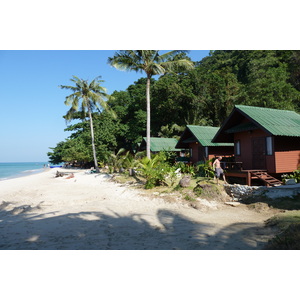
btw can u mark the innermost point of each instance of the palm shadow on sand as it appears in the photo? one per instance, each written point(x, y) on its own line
point(26, 228)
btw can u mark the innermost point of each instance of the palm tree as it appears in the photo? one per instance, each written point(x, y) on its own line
point(150, 62)
point(85, 98)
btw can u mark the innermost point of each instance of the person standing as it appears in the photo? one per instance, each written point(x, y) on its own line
point(218, 170)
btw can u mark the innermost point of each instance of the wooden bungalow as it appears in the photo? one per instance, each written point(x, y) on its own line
point(267, 142)
point(198, 139)
point(159, 144)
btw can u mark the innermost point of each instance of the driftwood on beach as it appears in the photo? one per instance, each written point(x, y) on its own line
point(62, 174)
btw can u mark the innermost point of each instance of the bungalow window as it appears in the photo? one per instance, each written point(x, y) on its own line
point(269, 145)
point(237, 148)
point(206, 151)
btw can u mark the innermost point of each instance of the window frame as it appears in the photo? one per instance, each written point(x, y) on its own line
point(206, 151)
point(269, 145)
point(237, 147)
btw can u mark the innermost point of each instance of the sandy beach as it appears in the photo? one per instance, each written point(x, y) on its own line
point(91, 212)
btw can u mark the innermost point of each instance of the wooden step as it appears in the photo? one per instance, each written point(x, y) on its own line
point(270, 180)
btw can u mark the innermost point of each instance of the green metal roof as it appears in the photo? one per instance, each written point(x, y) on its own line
point(275, 121)
point(162, 144)
point(205, 134)
point(242, 127)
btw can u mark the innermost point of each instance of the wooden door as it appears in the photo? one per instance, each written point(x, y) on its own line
point(259, 153)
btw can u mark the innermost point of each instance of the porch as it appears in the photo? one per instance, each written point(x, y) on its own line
point(235, 169)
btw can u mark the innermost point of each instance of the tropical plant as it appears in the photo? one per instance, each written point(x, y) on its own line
point(115, 160)
point(204, 169)
point(150, 62)
point(156, 170)
point(186, 168)
point(295, 175)
point(85, 98)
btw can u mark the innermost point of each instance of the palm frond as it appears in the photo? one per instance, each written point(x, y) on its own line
point(70, 113)
point(155, 69)
point(182, 64)
point(127, 60)
point(170, 55)
point(87, 96)
point(68, 87)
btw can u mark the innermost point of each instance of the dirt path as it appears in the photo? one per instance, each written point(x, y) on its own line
point(90, 212)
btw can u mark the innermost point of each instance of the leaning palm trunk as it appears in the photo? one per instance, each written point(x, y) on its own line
point(148, 118)
point(85, 97)
point(93, 142)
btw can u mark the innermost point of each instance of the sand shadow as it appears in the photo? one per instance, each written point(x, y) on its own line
point(98, 231)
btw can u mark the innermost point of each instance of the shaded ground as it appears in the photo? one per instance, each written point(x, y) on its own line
point(95, 230)
point(96, 214)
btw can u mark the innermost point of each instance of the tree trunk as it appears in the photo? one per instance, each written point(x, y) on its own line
point(93, 142)
point(148, 117)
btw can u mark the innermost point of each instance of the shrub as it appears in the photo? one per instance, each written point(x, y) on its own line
point(295, 175)
point(204, 169)
point(157, 171)
point(186, 168)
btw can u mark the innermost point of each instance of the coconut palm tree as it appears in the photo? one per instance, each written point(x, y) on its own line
point(85, 98)
point(152, 63)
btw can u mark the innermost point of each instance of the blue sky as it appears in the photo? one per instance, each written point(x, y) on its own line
point(32, 104)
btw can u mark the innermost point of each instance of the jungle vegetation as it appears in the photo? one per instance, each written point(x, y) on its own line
point(204, 95)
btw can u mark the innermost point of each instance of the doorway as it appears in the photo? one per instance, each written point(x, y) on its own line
point(259, 153)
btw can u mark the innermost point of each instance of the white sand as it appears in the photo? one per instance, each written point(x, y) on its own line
point(91, 212)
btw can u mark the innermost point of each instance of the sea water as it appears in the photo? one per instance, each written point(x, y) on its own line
point(18, 169)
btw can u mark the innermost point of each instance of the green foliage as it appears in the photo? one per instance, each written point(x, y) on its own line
point(295, 175)
point(116, 161)
point(77, 150)
point(186, 168)
point(130, 108)
point(204, 95)
point(204, 169)
point(151, 62)
point(188, 197)
point(173, 131)
point(56, 156)
point(157, 171)
point(84, 99)
point(71, 150)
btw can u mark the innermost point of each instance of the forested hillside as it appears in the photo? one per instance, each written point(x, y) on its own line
point(202, 96)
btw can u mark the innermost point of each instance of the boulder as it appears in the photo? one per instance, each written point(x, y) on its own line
point(185, 181)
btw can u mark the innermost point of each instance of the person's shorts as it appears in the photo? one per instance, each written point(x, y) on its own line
point(219, 172)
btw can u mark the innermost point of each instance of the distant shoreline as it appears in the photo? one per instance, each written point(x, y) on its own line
point(11, 170)
point(24, 174)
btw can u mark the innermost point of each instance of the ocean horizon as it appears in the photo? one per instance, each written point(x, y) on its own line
point(9, 170)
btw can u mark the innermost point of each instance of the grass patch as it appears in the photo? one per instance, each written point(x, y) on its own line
point(187, 197)
point(284, 220)
point(207, 190)
point(286, 203)
point(125, 178)
point(289, 237)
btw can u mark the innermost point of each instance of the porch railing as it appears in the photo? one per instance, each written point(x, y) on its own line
point(232, 166)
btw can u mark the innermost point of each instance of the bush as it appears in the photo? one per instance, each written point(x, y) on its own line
point(204, 169)
point(186, 168)
point(295, 175)
point(157, 171)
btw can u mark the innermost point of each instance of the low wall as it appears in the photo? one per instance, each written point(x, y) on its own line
point(238, 192)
